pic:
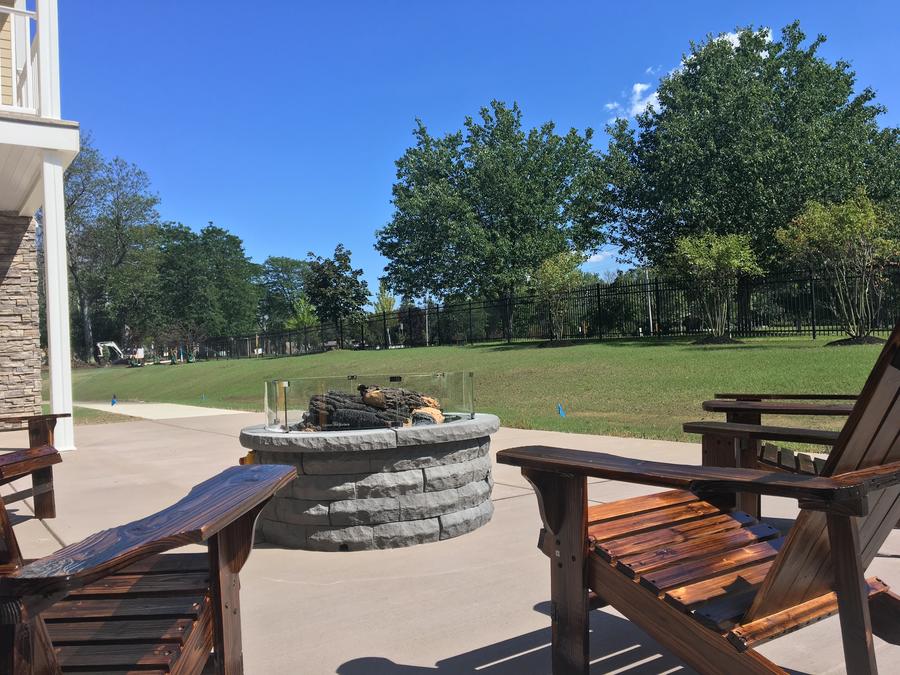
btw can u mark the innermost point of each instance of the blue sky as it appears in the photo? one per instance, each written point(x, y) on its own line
point(281, 120)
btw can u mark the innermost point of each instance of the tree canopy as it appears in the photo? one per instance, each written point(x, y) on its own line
point(108, 204)
point(850, 243)
point(477, 211)
point(743, 135)
point(335, 288)
point(283, 296)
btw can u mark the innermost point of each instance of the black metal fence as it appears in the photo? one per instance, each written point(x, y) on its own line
point(772, 306)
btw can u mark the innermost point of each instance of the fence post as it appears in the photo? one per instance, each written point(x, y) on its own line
point(437, 319)
point(341, 333)
point(384, 328)
point(508, 321)
point(469, 335)
point(658, 306)
point(599, 314)
point(812, 304)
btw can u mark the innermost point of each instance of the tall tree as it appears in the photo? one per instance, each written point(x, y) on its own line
point(556, 277)
point(743, 135)
point(385, 302)
point(851, 243)
point(231, 274)
point(107, 204)
point(206, 284)
point(477, 211)
point(334, 287)
point(283, 298)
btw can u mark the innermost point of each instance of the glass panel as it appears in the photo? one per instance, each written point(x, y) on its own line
point(369, 401)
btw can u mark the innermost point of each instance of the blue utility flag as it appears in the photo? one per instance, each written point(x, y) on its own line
point(562, 413)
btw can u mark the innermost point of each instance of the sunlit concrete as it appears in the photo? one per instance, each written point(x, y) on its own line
point(475, 603)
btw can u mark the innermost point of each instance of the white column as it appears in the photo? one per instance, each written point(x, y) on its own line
point(56, 279)
point(48, 57)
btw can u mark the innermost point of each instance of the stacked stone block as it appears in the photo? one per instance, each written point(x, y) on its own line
point(20, 350)
point(370, 489)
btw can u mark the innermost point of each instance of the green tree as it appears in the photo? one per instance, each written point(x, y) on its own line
point(851, 242)
point(282, 291)
point(553, 280)
point(189, 309)
point(108, 203)
point(741, 138)
point(303, 315)
point(385, 302)
point(713, 262)
point(231, 274)
point(334, 287)
point(477, 211)
point(206, 284)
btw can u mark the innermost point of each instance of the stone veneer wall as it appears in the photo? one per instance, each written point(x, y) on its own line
point(20, 350)
point(377, 488)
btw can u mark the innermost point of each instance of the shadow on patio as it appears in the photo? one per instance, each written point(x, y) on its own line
point(617, 646)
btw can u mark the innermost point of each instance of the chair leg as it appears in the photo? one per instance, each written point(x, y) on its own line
point(226, 589)
point(44, 499)
point(228, 551)
point(853, 604)
point(563, 504)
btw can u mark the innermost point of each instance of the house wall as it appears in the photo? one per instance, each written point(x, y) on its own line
point(20, 352)
point(6, 83)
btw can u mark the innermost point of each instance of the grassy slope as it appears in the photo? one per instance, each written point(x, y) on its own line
point(91, 416)
point(637, 388)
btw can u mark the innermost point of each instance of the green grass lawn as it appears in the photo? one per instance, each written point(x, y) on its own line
point(636, 388)
point(91, 416)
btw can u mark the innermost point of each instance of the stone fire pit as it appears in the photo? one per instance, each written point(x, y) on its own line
point(377, 488)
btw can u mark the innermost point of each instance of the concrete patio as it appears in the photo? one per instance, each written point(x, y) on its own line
point(475, 603)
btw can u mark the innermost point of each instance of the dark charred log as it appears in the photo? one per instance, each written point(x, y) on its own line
point(372, 408)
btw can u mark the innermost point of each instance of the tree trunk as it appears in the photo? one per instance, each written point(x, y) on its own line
point(87, 330)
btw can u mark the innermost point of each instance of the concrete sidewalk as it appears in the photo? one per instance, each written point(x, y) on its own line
point(156, 411)
point(475, 603)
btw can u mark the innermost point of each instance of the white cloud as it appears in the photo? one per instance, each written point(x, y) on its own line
point(599, 257)
point(640, 100)
point(652, 70)
point(734, 37)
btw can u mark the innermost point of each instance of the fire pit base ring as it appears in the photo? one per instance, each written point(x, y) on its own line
point(377, 488)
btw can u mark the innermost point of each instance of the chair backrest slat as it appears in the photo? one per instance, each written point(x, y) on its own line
point(871, 437)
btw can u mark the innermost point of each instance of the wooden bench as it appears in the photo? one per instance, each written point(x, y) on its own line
point(119, 602)
point(709, 582)
point(37, 461)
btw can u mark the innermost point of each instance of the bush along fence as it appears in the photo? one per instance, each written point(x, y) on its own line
point(655, 307)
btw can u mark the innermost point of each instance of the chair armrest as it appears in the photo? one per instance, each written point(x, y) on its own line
point(760, 432)
point(207, 509)
point(23, 462)
point(778, 407)
point(845, 494)
point(12, 419)
point(789, 397)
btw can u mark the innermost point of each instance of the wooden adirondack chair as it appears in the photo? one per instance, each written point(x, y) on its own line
point(37, 461)
point(743, 423)
point(708, 582)
point(116, 602)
